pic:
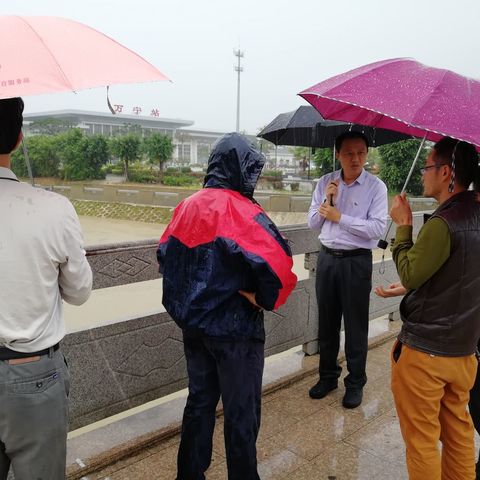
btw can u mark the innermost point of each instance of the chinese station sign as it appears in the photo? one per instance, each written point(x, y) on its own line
point(154, 112)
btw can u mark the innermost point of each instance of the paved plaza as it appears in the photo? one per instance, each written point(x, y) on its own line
point(301, 438)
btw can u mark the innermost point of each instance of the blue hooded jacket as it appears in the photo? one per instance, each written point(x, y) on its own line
point(220, 241)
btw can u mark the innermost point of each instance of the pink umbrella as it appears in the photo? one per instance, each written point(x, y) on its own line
point(406, 96)
point(402, 95)
point(51, 54)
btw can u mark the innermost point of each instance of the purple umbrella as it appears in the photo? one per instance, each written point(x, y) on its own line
point(403, 95)
point(406, 96)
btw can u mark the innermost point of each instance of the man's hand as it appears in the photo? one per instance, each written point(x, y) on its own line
point(329, 212)
point(401, 213)
point(331, 192)
point(250, 296)
point(393, 290)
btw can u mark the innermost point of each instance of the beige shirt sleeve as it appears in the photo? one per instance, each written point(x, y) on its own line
point(75, 275)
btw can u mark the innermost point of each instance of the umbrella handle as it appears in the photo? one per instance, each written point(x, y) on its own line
point(331, 200)
point(383, 243)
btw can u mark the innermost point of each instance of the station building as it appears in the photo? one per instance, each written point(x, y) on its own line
point(192, 147)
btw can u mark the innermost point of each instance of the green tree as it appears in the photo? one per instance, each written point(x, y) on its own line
point(127, 148)
point(395, 162)
point(96, 153)
point(43, 155)
point(323, 161)
point(19, 165)
point(159, 149)
point(69, 147)
point(82, 156)
point(373, 159)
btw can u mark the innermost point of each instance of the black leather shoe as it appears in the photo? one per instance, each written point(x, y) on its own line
point(321, 389)
point(353, 397)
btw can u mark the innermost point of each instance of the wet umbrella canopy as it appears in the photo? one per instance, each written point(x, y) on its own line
point(305, 127)
point(403, 95)
point(406, 96)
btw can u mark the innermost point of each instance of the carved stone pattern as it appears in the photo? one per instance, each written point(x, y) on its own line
point(145, 359)
point(132, 267)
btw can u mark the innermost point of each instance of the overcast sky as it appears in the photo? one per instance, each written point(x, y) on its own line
point(289, 45)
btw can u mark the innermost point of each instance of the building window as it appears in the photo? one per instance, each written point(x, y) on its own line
point(186, 153)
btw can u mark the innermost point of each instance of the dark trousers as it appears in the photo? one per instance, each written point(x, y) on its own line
point(231, 369)
point(343, 286)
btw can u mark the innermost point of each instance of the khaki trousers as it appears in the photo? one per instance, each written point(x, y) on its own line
point(431, 395)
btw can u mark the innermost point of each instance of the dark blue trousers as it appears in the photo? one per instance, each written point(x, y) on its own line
point(231, 369)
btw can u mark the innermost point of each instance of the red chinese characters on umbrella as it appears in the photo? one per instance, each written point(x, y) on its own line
point(18, 81)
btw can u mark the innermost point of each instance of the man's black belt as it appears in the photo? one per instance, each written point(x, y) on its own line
point(346, 253)
point(7, 354)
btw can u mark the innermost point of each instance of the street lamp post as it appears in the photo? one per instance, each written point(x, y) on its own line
point(239, 69)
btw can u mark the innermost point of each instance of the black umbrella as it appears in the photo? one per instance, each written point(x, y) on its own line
point(305, 127)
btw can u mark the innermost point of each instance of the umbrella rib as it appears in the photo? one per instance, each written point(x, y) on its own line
point(48, 50)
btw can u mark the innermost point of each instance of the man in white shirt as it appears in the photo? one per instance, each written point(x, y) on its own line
point(42, 261)
point(349, 211)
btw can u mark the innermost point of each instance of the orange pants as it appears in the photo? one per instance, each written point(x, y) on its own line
point(431, 395)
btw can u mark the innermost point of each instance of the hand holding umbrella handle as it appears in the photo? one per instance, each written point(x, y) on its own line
point(331, 191)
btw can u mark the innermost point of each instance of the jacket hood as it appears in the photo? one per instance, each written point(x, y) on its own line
point(234, 164)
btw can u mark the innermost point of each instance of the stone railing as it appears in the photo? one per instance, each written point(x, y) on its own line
point(170, 197)
point(119, 366)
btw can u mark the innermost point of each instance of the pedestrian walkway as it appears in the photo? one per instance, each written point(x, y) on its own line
point(301, 438)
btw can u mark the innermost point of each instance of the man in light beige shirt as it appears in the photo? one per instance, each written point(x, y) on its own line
point(42, 263)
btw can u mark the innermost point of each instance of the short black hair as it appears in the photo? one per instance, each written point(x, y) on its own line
point(466, 159)
point(11, 121)
point(347, 136)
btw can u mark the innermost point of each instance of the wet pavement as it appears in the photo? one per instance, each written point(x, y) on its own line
point(301, 438)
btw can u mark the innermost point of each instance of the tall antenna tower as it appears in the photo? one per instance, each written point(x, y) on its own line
point(239, 69)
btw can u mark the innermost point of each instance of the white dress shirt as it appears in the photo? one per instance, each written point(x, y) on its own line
point(363, 206)
point(42, 261)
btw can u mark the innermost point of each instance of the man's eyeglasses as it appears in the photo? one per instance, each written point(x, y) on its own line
point(428, 167)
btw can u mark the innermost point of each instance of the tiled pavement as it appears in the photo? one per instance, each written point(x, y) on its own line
point(301, 438)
